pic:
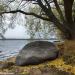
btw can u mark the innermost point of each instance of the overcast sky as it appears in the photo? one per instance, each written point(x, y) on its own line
point(18, 32)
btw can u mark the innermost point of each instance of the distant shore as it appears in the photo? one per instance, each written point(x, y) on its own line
point(30, 39)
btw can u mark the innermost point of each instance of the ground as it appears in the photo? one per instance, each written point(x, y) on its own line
point(63, 65)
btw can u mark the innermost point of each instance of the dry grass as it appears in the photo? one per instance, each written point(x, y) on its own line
point(55, 67)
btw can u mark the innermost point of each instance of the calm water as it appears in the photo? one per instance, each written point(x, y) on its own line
point(11, 48)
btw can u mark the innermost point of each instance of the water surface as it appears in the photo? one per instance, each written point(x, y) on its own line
point(10, 48)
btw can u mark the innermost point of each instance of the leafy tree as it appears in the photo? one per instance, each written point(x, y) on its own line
point(64, 20)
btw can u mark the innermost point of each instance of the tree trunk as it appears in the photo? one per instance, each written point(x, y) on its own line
point(68, 31)
point(70, 35)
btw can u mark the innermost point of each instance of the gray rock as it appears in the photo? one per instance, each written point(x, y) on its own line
point(36, 52)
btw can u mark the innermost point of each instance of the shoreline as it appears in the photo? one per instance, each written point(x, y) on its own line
point(58, 65)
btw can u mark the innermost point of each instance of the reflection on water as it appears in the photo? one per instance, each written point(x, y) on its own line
point(11, 48)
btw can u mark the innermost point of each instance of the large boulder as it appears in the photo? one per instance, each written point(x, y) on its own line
point(36, 52)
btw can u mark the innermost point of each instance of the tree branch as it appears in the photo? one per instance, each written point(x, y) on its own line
point(58, 10)
point(52, 17)
point(47, 3)
point(26, 13)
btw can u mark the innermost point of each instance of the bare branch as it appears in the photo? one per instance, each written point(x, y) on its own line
point(58, 10)
point(26, 13)
point(47, 3)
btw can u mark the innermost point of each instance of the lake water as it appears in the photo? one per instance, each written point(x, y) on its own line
point(11, 48)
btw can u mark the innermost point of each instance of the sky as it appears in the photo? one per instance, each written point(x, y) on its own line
point(18, 32)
